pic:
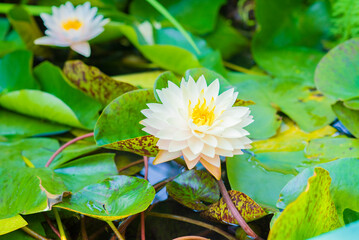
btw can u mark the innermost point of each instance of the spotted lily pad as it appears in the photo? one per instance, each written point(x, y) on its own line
point(93, 82)
point(119, 124)
point(115, 198)
point(193, 189)
point(311, 214)
point(248, 208)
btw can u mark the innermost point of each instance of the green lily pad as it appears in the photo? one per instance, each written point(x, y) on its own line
point(119, 124)
point(40, 104)
point(141, 80)
point(332, 148)
point(115, 198)
point(311, 214)
point(94, 83)
point(350, 231)
point(13, 126)
point(37, 150)
point(344, 188)
point(195, 15)
point(193, 188)
point(272, 164)
point(210, 76)
point(11, 224)
point(302, 103)
point(28, 190)
point(16, 73)
point(84, 107)
point(348, 117)
point(88, 170)
point(35, 222)
point(337, 73)
point(279, 46)
point(248, 209)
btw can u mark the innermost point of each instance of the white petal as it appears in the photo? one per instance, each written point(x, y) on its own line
point(164, 156)
point(208, 151)
point(210, 140)
point(215, 161)
point(177, 146)
point(191, 164)
point(82, 48)
point(195, 144)
point(49, 41)
point(224, 144)
point(201, 83)
point(212, 90)
point(189, 154)
point(163, 144)
point(150, 130)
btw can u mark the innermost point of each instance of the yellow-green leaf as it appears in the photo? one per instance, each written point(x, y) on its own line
point(11, 224)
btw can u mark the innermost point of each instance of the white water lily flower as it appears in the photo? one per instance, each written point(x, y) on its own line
point(195, 122)
point(72, 27)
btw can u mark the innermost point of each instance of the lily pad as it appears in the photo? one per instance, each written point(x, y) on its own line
point(119, 124)
point(311, 214)
point(248, 209)
point(337, 73)
point(88, 170)
point(14, 125)
point(115, 198)
point(39, 189)
point(350, 231)
point(84, 107)
point(344, 188)
point(193, 189)
point(11, 224)
point(140, 80)
point(348, 117)
point(94, 83)
point(16, 73)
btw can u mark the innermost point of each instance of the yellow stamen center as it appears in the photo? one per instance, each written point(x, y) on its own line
point(202, 114)
point(72, 24)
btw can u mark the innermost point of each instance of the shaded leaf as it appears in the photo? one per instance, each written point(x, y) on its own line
point(119, 124)
point(348, 117)
point(311, 214)
point(93, 82)
point(88, 170)
point(115, 198)
point(14, 125)
point(84, 107)
point(25, 25)
point(11, 224)
point(248, 208)
point(193, 189)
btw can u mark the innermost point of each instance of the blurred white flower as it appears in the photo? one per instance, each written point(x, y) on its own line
point(146, 31)
point(193, 120)
point(73, 27)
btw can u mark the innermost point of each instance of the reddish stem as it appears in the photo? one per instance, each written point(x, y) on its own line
point(235, 211)
point(52, 226)
point(65, 146)
point(130, 165)
point(143, 230)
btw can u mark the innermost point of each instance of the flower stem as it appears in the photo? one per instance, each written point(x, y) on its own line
point(241, 69)
point(143, 229)
point(33, 234)
point(195, 222)
point(52, 225)
point(59, 224)
point(130, 165)
point(65, 146)
point(114, 229)
point(83, 228)
point(235, 211)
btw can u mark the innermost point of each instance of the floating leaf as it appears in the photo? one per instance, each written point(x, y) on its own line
point(193, 188)
point(39, 189)
point(344, 188)
point(119, 124)
point(115, 198)
point(329, 148)
point(37, 150)
point(311, 214)
point(93, 82)
point(350, 231)
point(15, 72)
point(140, 80)
point(88, 170)
point(337, 73)
point(248, 209)
point(13, 126)
point(11, 224)
point(348, 117)
point(84, 107)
